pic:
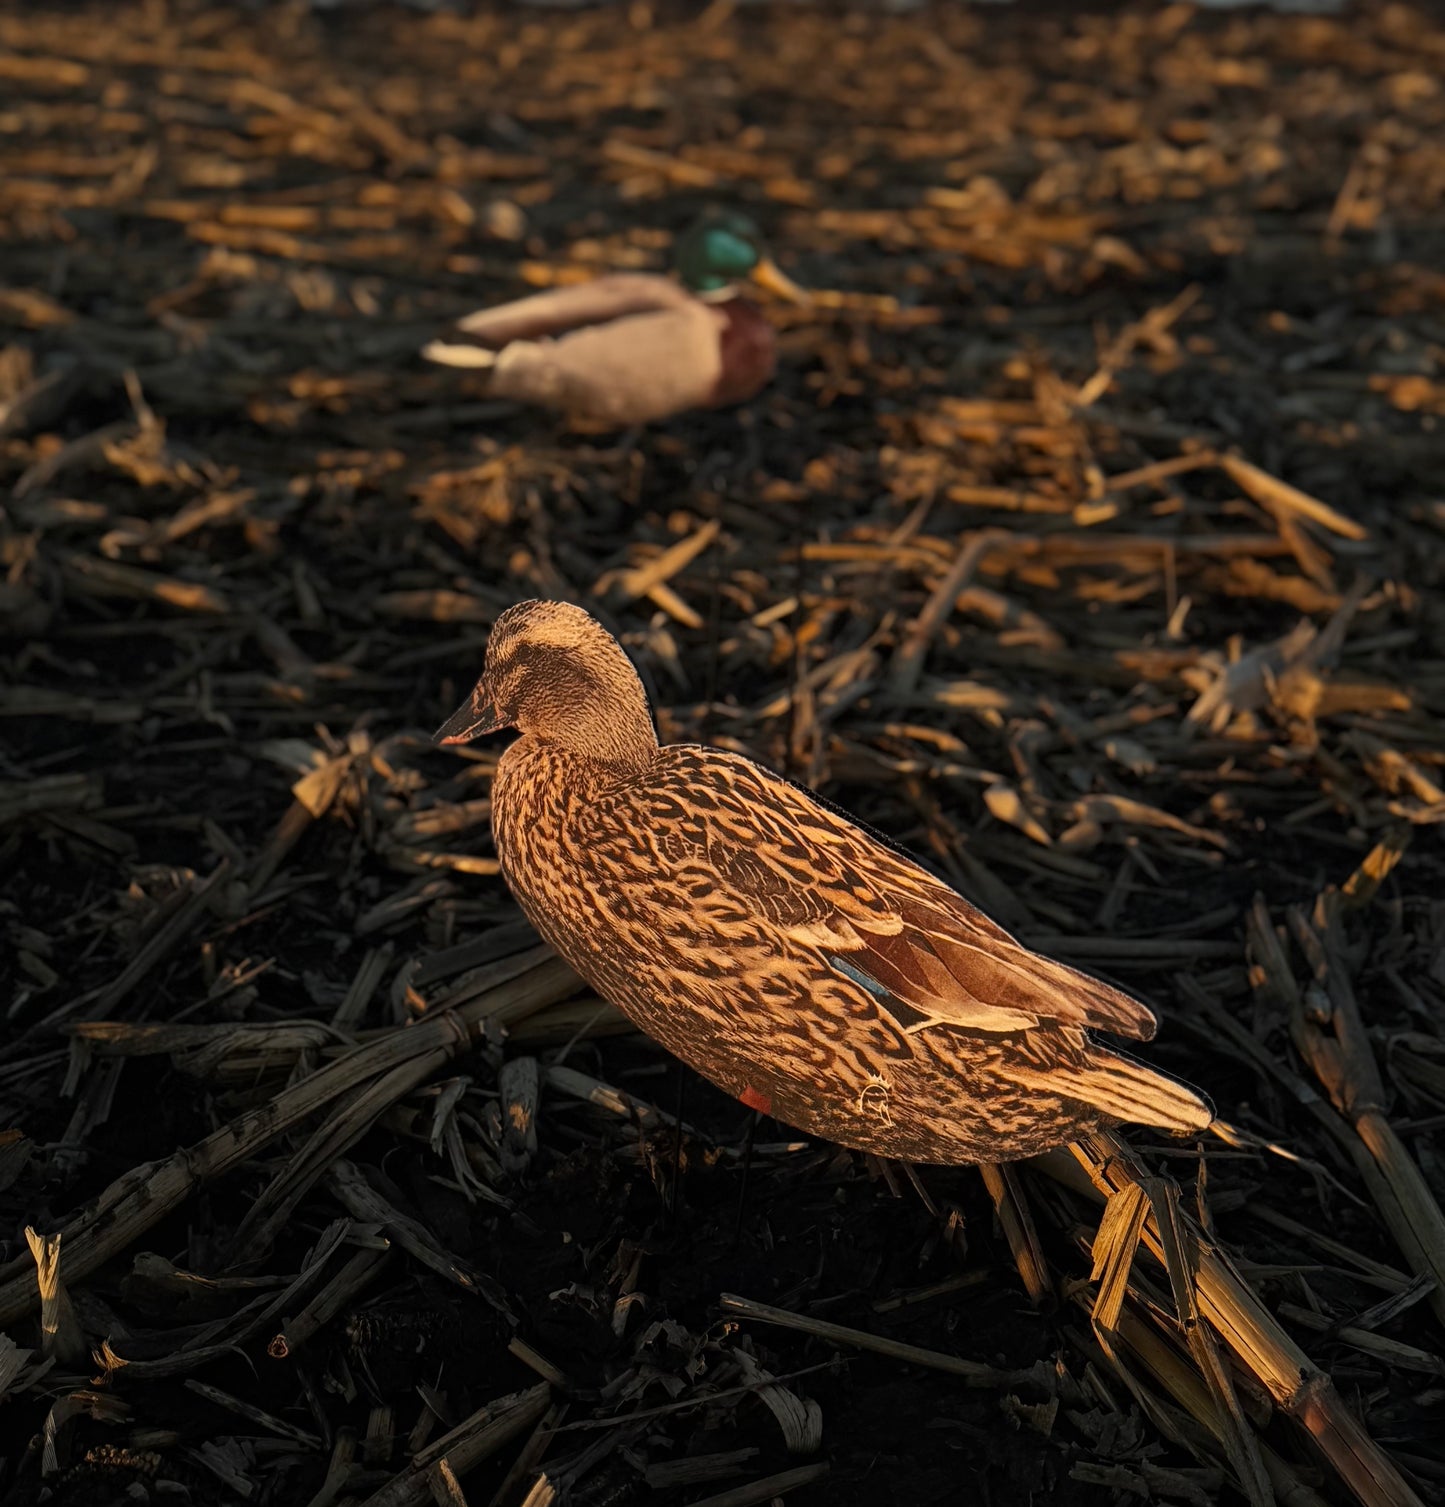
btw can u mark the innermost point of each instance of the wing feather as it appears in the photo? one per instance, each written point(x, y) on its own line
point(780, 852)
point(573, 306)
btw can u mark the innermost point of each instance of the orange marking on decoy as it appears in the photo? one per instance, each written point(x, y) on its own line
point(756, 1100)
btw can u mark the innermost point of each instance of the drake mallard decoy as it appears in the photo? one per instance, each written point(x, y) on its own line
point(788, 954)
point(633, 347)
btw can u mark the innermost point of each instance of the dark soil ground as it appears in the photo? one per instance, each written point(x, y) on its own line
point(1154, 293)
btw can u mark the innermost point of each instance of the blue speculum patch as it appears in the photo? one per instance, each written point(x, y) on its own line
point(859, 977)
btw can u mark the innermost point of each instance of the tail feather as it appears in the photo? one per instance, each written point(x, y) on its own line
point(1129, 1091)
point(460, 353)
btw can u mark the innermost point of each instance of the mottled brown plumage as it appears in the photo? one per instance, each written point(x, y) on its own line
point(791, 956)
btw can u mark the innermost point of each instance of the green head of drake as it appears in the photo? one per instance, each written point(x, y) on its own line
point(724, 248)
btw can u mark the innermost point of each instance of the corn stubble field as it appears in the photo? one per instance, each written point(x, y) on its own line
point(1089, 542)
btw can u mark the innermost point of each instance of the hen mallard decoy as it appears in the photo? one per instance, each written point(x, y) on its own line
point(633, 347)
point(788, 954)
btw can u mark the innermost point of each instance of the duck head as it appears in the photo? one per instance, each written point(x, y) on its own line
point(554, 672)
point(724, 247)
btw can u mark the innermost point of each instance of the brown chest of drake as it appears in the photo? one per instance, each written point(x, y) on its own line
point(748, 348)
